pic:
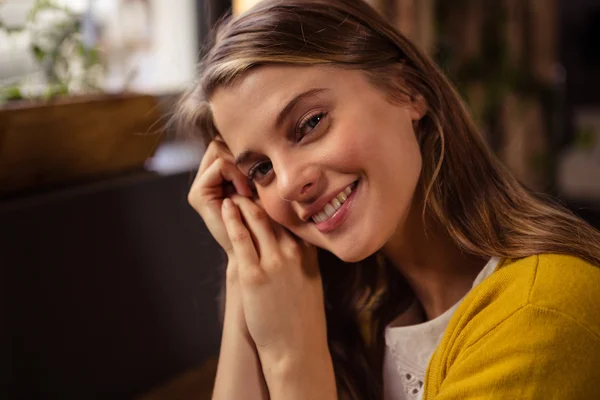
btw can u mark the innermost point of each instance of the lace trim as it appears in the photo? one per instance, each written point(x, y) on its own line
point(410, 347)
point(413, 386)
point(411, 382)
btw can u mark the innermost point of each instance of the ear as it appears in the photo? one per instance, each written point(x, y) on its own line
point(418, 108)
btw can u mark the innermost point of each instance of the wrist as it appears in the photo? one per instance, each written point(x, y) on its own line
point(310, 374)
point(234, 319)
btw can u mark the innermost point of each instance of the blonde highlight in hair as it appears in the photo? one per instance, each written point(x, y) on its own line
point(466, 189)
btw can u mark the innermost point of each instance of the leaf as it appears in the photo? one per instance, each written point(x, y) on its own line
point(11, 93)
point(60, 89)
point(38, 52)
point(92, 58)
point(46, 5)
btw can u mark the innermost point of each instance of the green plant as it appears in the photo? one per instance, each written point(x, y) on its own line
point(68, 63)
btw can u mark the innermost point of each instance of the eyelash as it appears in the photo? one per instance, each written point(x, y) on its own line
point(255, 167)
point(297, 136)
point(304, 123)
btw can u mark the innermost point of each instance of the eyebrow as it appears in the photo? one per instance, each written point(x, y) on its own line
point(247, 154)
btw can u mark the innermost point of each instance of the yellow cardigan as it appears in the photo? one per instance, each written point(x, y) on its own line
point(531, 330)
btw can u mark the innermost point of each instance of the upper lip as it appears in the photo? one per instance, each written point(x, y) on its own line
point(320, 204)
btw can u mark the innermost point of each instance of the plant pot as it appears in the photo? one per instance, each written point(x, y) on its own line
point(75, 139)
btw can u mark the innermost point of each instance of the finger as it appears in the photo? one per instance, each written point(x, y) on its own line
point(240, 238)
point(210, 183)
point(287, 243)
point(220, 139)
point(297, 247)
point(274, 225)
point(220, 151)
point(215, 150)
point(259, 224)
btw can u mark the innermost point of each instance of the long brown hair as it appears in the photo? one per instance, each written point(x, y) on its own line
point(466, 189)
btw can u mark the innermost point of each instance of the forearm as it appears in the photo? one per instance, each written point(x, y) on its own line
point(309, 376)
point(239, 373)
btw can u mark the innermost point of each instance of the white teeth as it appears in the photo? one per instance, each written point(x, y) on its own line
point(320, 217)
point(329, 210)
point(332, 206)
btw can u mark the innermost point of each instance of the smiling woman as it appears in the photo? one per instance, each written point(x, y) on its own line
point(303, 143)
point(376, 248)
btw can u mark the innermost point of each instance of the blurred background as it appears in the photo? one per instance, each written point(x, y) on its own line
point(109, 279)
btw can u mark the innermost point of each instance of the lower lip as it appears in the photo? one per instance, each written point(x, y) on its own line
point(340, 215)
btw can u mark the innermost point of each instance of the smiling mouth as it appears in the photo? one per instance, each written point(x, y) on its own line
point(334, 205)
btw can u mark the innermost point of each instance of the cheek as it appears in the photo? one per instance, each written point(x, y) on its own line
point(279, 210)
point(387, 152)
point(345, 150)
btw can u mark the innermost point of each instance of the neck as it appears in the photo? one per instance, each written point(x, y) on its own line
point(436, 269)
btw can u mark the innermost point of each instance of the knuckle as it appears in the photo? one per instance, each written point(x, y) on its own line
point(212, 146)
point(221, 146)
point(215, 148)
point(192, 198)
point(232, 275)
point(252, 277)
point(273, 262)
point(292, 248)
point(196, 204)
point(239, 236)
point(258, 214)
point(220, 163)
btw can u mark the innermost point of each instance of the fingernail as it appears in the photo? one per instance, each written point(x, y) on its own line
point(227, 204)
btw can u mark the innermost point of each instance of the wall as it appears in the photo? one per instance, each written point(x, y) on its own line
point(108, 289)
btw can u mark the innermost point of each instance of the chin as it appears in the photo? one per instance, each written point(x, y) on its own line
point(353, 258)
point(353, 253)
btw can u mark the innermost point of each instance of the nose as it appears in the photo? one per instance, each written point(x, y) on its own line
point(298, 180)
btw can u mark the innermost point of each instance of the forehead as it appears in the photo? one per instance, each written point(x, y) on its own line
point(270, 85)
point(254, 100)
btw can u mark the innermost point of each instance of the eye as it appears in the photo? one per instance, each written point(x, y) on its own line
point(260, 170)
point(308, 124)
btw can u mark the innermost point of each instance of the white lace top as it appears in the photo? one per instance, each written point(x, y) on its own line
point(409, 347)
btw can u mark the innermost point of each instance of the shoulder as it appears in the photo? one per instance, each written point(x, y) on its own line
point(561, 284)
point(511, 332)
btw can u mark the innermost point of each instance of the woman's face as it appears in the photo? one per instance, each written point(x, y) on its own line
point(331, 158)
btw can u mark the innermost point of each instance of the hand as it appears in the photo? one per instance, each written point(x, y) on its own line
point(216, 176)
point(216, 179)
point(238, 358)
point(281, 286)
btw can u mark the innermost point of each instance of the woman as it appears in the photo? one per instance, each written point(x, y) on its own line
point(437, 274)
